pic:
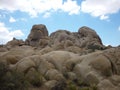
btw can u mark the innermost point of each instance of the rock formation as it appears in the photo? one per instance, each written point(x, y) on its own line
point(84, 38)
point(61, 39)
point(64, 60)
point(37, 33)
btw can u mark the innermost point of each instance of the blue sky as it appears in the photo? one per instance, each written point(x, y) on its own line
point(18, 16)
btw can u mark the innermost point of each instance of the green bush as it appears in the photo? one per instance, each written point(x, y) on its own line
point(80, 85)
point(38, 80)
point(72, 87)
point(94, 47)
point(11, 80)
point(61, 85)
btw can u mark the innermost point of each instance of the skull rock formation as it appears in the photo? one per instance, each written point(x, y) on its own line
point(37, 33)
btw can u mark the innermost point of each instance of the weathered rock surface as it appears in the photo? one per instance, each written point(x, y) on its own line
point(15, 42)
point(37, 33)
point(84, 38)
point(62, 39)
point(89, 38)
point(64, 57)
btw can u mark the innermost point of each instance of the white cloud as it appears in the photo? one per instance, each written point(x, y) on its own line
point(23, 19)
point(7, 35)
point(35, 7)
point(2, 15)
point(46, 15)
point(71, 7)
point(12, 20)
point(119, 28)
point(103, 17)
point(100, 8)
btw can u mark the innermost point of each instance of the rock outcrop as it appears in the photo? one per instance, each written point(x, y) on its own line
point(89, 38)
point(84, 38)
point(64, 60)
point(15, 42)
point(62, 39)
point(37, 33)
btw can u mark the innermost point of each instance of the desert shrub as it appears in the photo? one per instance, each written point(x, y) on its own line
point(37, 81)
point(79, 85)
point(61, 85)
point(71, 86)
point(34, 77)
point(12, 80)
point(93, 87)
point(3, 69)
point(74, 85)
point(94, 47)
point(65, 74)
point(85, 88)
point(88, 88)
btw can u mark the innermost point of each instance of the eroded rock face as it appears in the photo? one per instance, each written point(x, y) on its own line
point(37, 33)
point(15, 42)
point(89, 38)
point(84, 38)
point(113, 54)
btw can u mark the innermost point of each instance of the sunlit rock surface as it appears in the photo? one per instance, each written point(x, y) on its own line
point(64, 59)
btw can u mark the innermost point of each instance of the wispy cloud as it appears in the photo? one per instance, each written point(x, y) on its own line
point(23, 19)
point(35, 7)
point(103, 17)
point(2, 14)
point(119, 28)
point(96, 8)
point(11, 20)
point(100, 8)
point(7, 35)
point(71, 7)
point(46, 15)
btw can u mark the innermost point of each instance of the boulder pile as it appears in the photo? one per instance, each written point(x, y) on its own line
point(64, 60)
